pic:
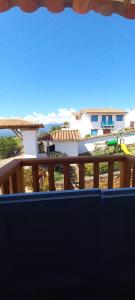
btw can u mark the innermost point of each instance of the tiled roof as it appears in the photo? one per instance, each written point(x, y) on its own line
point(124, 8)
point(99, 111)
point(103, 110)
point(18, 123)
point(63, 135)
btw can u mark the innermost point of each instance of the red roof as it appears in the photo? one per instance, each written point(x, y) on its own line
point(18, 123)
point(63, 135)
point(124, 8)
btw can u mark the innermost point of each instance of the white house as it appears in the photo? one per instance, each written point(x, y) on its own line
point(98, 121)
point(27, 131)
point(64, 141)
point(130, 119)
point(71, 143)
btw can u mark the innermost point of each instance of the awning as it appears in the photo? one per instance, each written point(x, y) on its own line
point(124, 8)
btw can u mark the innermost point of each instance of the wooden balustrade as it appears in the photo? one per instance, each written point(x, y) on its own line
point(12, 178)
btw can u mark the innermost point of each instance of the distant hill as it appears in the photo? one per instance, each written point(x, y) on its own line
point(47, 128)
point(6, 132)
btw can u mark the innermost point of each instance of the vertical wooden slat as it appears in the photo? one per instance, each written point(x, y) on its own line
point(66, 177)
point(20, 179)
point(133, 177)
point(122, 174)
point(14, 183)
point(81, 175)
point(110, 175)
point(96, 175)
point(51, 177)
point(125, 174)
point(6, 187)
point(35, 179)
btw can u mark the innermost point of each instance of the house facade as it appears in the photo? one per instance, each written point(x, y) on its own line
point(98, 121)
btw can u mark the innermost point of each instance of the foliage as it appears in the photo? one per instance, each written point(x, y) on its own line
point(41, 147)
point(127, 129)
point(55, 154)
point(28, 177)
point(54, 128)
point(58, 176)
point(43, 133)
point(9, 146)
point(87, 136)
point(103, 168)
point(44, 185)
point(66, 123)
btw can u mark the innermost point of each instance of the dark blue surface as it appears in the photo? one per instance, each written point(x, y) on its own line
point(67, 239)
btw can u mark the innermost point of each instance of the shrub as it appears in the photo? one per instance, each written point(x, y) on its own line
point(9, 146)
point(103, 168)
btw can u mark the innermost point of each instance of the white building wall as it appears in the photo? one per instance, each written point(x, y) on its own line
point(85, 125)
point(84, 146)
point(129, 139)
point(30, 142)
point(118, 124)
point(130, 117)
point(74, 124)
point(70, 148)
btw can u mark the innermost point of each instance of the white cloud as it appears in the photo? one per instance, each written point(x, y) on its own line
point(60, 116)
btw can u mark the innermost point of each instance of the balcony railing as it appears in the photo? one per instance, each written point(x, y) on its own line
point(107, 124)
point(12, 179)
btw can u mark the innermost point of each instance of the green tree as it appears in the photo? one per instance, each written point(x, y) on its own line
point(54, 128)
point(66, 123)
point(9, 146)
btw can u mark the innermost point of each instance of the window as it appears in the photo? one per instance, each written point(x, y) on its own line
point(94, 118)
point(119, 118)
point(110, 119)
point(104, 119)
point(94, 132)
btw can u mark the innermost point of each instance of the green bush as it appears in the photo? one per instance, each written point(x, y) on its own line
point(9, 146)
point(103, 168)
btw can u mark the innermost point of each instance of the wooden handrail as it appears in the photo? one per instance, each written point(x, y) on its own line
point(72, 160)
point(11, 174)
point(8, 169)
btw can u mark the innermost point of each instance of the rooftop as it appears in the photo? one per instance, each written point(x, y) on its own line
point(18, 123)
point(100, 111)
point(105, 7)
point(104, 110)
point(63, 135)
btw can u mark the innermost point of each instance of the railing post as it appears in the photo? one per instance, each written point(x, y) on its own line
point(66, 177)
point(20, 179)
point(51, 177)
point(125, 173)
point(81, 175)
point(6, 187)
point(110, 175)
point(96, 175)
point(14, 183)
point(35, 179)
point(133, 177)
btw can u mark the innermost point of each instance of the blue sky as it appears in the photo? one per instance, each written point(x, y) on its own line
point(49, 61)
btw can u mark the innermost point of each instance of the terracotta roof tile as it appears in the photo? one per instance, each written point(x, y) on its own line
point(99, 111)
point(18, 123)
point(63, 135)
point(124, 8)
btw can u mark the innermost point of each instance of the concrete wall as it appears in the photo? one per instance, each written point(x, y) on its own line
point(84, 146)
point(89, 145)
point(70, 148)
point(30, 142)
